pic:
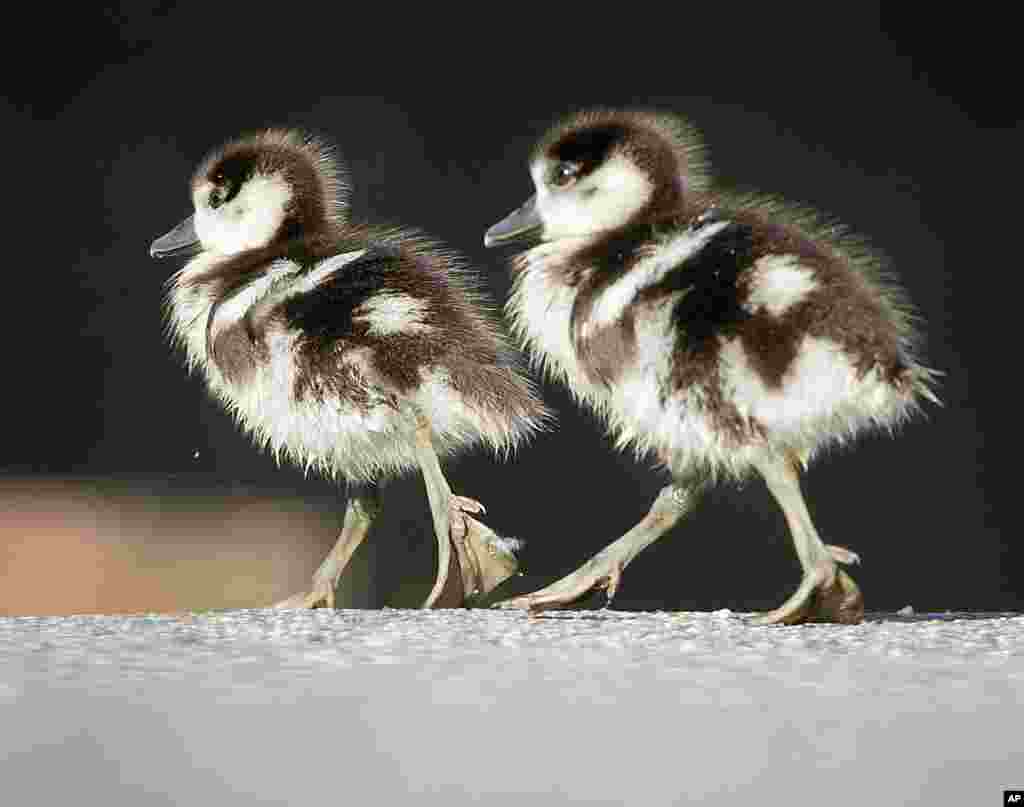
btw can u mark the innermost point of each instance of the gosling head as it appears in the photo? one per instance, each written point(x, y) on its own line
point(601, 170)
point(259, 192)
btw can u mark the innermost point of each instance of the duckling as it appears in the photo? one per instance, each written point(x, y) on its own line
point(355, 351)
point(725, 335)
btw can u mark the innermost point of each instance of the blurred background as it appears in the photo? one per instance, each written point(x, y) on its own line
point(125, 488)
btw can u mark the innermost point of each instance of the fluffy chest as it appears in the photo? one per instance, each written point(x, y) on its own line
point(251, 362)
point(227, 332)
point(565, 324)
point(614, 345)
point(541, 309)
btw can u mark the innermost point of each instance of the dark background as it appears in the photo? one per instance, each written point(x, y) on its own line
point(898, 126)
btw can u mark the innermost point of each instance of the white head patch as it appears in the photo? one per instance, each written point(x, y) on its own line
point(602, 200)
point(248, 221)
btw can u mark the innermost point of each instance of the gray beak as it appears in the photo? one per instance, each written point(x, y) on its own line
point(516, 226)
point(182, 240)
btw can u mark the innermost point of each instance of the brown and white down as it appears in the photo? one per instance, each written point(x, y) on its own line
point(723, 335)
point(357, 352)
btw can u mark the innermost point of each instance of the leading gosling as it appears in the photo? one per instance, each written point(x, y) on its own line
point(355, 351)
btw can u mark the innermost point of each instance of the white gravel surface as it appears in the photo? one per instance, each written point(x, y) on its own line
point(453, 707)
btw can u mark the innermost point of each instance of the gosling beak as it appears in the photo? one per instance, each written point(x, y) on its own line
point(516, 226)
point(182, 240)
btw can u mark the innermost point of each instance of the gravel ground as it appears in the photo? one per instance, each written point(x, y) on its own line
point(452, 707)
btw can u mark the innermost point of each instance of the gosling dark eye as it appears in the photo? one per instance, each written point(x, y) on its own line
point(564, 174)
